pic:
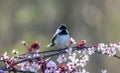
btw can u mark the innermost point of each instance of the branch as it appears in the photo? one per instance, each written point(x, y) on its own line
point(52, 53)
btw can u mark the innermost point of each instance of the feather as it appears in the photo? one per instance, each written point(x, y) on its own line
point(52, 41)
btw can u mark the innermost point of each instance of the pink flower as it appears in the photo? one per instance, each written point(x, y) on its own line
point(62, 68)
point(25, 66)
point(72, 65)
point(91, 51)
point(62, 58)
point(4, 56)
point(84, 60)
point(83, 63)
point(72, 57)
point(51, 67)
point(34, 67)
point(23, 42)
point(72, 41)
point(14, 51)
point(108, 49)
point(118, 47)
point(69, 50)
point(81, 43)
point(84, 51)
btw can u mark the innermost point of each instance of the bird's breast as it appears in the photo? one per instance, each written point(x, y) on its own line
point(62, 41)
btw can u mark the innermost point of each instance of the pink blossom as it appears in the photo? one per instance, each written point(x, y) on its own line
point(84, 60)
point(83, 63)
point(72, 65)
point(108, 49)
point(91, 51)
point(4, 56)
point(118, 47)
point(84, 71)
point(62, 68)
point(69, 50)
point(72, 41)
point(81, 43)
point(34, 67)
point(51, 67)
point(84, 51)
point(62, 58)
point(72, 56)
point(14, 51)
point(36, 53)
point(25, 66)
point(23, 42)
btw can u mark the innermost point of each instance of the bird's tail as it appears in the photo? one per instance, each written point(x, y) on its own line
point(50, 45)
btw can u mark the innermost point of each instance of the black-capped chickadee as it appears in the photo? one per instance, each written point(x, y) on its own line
point(61, 38)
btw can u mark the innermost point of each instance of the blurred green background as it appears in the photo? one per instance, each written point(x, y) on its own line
point(92, 20)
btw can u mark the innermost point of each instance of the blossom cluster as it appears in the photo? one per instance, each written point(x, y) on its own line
point(31, 65)
point(74, 62)
point(108, 49)
point(102, 48)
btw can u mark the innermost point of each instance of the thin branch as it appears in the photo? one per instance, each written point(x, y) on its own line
point(54, 50)
point(22, 54)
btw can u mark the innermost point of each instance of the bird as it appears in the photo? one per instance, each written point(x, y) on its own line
point(61, 38)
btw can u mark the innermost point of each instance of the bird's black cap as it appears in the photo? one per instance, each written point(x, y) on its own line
point(62, 26)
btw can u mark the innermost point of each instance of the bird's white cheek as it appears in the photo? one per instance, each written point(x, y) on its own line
point(57, 31)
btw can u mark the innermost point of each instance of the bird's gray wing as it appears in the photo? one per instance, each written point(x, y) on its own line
point(53, 39)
